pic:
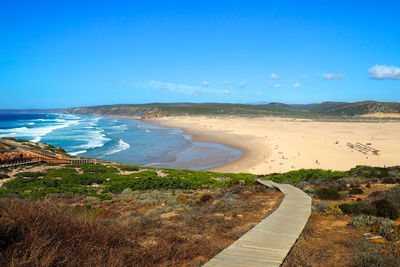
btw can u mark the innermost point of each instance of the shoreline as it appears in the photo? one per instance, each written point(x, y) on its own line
point(251, 155)
point(199, 155)
point(273, 145)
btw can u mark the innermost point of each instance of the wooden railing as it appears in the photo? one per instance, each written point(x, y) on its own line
point(20, 162)
point(41, 160)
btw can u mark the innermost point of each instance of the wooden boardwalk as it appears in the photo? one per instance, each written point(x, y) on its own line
point(269, 242)
point(41, 160)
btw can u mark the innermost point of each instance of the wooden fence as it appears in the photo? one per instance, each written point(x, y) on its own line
point(41, 160)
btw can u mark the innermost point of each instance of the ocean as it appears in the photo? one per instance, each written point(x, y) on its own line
point(119, 140)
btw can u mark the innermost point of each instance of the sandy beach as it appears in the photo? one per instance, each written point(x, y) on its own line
point(284, 144)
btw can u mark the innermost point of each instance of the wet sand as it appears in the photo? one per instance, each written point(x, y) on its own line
point(284, 144)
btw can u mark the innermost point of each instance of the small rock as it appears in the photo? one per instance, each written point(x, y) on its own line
point(374, 237)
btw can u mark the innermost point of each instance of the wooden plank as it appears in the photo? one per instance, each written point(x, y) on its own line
point(269, 242)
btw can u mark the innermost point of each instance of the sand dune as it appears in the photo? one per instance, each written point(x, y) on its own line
point(280, 145)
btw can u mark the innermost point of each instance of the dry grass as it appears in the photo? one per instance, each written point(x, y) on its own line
point(162, 231)
point(330, 241)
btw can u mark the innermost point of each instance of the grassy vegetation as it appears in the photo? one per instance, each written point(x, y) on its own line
point(128, 168)
point(303, 175)
point(102, 181)
point(328, 193)
point(358, 208)
point(194, 199)
point(356, 191)
point(309, 175)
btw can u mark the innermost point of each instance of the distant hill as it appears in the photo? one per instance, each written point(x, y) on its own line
point(334, 109)
point(358, 108)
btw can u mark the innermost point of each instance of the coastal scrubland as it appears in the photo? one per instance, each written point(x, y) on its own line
point(119, 215)
point(110, 214)
point(355, 218)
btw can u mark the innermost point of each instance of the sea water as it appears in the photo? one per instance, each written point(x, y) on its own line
point(120, 140)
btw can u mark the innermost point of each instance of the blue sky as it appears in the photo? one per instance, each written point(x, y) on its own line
point(80, 53)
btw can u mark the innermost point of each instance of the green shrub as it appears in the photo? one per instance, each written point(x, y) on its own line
point(309, 190)
point(328, 193)
point(353, 181)
point(333, 209)
point(307, 175)
point(369, 172)
point(366, 220)
point(394, 195)
point(386, 227)
point(389, 180)
point(3, 176)
point(98, 168)
point(356, 191)
point(128, 168)
point(385, 208)
point(357, 208)
point(149, 182)
point(322, 206)
point(62, 172)
point(29, 174)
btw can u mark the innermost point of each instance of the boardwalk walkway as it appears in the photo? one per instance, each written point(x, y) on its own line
point(40, 160)
point(269, 242)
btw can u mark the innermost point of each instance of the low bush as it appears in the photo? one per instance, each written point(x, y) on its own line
point(357, 208)
point(356, 191)
point(352, 181)
point(333, 209)
point(322, 206)
point(369, 254)
point(385, 227)
point(385, 208)
point(309, 190)
point(4, 176)
point(98, 168)
point(369, 172)
point(148, 180)
point(128, 168)
point(389, 180)
point(68, 180)
point(328, 194)
point(394, 195)
point(307, 175)
point(367, 220)
point(29, 174)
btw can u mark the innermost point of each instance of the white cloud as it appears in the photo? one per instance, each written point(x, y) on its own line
point(205, 83)
point(296, 85)
point(226, 82)
point(304, 76)
point(178, 88)
point(383, 72)
point(333, 76)
point(275, 85)
point(242, 84)
point(273, 76)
